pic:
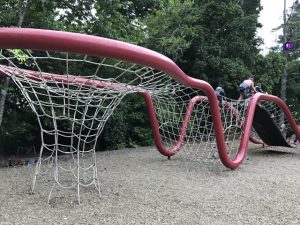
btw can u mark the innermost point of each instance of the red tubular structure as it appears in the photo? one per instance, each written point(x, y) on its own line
point(234, 113)
point(46, 40)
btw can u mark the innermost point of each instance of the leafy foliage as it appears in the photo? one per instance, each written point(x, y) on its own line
point(209, 39)
point(292, 32)
point(20, 128)
point(269, 69)
point(128, 126)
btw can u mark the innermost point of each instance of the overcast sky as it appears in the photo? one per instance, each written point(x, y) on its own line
point(271, 17)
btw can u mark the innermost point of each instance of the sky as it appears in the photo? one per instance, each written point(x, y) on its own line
point(271, 17)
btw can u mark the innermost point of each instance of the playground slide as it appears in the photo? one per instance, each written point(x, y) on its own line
point(267, 129)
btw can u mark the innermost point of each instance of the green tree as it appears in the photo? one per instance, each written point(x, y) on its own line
point(290, 90)
point(114, 19)
point(20, 9)
point(171, 28)
point(211, 40)
point(292, 28)
point(269, 69)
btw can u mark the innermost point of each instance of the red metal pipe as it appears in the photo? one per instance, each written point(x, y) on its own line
point(154, 124)
point(46, 40)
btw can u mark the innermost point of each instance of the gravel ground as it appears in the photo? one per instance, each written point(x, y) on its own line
point(140, 186)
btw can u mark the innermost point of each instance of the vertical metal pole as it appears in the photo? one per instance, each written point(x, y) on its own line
point(285, 53)
point(284, 75)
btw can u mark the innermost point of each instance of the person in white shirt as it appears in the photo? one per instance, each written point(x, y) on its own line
point(246, 88)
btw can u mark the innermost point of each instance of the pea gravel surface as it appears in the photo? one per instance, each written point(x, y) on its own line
point(140, 186)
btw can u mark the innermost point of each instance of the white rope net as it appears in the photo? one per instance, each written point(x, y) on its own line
point(74, 95)
point(277, 115)
point(200, 142)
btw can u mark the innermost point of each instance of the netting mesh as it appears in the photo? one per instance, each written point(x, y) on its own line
point(277, 115)
point(74, 95)
point(200, 140)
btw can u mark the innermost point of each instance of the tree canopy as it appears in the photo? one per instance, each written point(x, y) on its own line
point(209, 39)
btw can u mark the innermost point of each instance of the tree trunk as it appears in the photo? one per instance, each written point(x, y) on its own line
point(23, 8)
point(284, 75)
point(283, 83)
point(3, 97)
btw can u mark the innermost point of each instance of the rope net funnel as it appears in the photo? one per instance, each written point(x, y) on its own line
point(72, 109)
point(74, 82)
point(201, 140)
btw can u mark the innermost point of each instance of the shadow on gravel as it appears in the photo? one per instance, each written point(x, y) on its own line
point(276, 152)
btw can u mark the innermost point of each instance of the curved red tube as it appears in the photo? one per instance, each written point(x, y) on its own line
point(222, 148)
point(154, 124)
point(46, 40)
point(234, 113)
